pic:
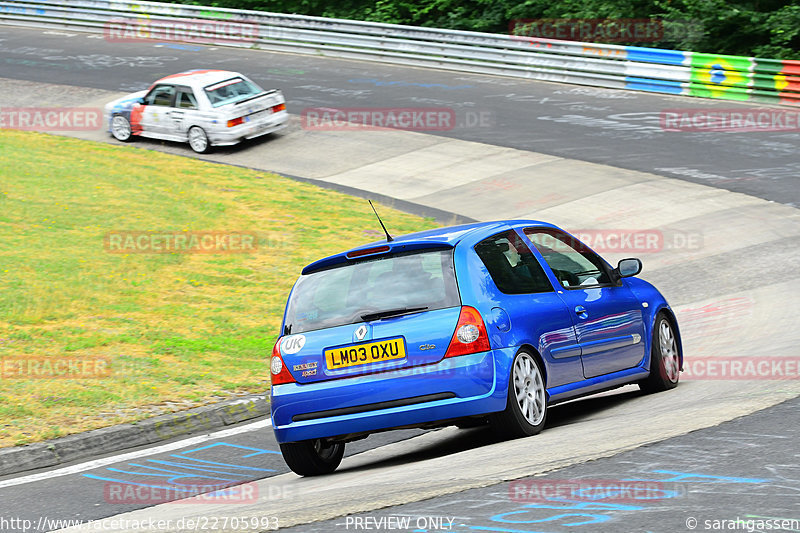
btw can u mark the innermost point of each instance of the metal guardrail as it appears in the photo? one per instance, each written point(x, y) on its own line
point(601, 65)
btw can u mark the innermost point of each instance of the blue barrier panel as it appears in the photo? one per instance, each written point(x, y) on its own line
point(654, 86)
point(654, 55)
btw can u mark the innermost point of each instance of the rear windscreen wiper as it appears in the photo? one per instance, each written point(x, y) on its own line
point(392, 312)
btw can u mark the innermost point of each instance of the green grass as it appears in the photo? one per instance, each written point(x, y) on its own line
point(179, 330)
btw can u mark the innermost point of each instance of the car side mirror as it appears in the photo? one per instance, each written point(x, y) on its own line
point(628, 267)
point(140, 101)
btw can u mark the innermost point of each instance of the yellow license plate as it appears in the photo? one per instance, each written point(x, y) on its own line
point(362, 354)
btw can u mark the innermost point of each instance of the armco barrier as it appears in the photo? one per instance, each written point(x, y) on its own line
point(601, 65)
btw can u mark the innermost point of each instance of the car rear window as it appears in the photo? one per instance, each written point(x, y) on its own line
point(342, 295)
point(231, 91)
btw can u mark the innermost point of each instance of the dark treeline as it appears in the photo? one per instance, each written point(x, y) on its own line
point(762, 28)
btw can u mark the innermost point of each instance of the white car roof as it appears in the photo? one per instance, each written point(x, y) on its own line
point(197, 79)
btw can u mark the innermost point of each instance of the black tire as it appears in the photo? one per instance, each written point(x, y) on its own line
point(523, 418)
point(198, 140)
point(121, 129)
point(664, 358)
point(312, 457)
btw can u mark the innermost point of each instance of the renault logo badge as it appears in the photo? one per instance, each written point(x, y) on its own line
point(361, 332)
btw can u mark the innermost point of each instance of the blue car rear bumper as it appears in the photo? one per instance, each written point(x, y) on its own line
point(455, 387)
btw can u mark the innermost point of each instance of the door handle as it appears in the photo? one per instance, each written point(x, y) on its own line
point(580, 310)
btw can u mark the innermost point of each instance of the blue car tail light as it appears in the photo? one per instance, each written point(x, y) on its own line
point(470, 335)
point(280, 374)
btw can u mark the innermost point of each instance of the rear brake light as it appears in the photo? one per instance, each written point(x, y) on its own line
point(470, 335)
point(279, 107)
point(280, 374)
point(367, 251)
point(235, 122)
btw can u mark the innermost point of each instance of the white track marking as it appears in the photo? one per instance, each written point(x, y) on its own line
point(82, 467)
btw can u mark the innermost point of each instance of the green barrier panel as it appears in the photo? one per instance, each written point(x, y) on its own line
point(784, 75)
point(717, 91)
point(772, 97)
point(720, 76)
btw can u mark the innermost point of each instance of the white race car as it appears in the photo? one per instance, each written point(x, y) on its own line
point(202, 107)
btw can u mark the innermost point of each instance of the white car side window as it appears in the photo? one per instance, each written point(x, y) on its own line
point(161, 95)
point(186, 100)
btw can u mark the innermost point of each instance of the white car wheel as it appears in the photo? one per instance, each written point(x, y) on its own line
point(198, 140)
point(121, 128)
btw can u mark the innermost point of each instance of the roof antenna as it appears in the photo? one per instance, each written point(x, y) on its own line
point(388, 237)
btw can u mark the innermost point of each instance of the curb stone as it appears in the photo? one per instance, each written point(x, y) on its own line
point(125, 436)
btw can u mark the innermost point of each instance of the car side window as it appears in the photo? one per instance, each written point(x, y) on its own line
point(160, 96)
point(186, 99)
point(572, 262)
point(511, 264)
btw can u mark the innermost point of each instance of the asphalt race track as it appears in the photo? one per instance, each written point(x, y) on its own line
point(95, 489)
point(722, 204)
point(618, 128)
point(740, 470)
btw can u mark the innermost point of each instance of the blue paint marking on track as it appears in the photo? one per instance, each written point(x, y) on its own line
point(701, 478)
point(184, 467)
point(259, 451)
point(177, 46)
point(594, 518)
point(173, 477)
point(169, 471)
point(224, 464)
point(504, 530)
point(576, 513)
point(195, 467)
point(178, 489)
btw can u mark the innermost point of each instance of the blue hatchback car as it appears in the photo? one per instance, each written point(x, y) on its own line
point(489, 322)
